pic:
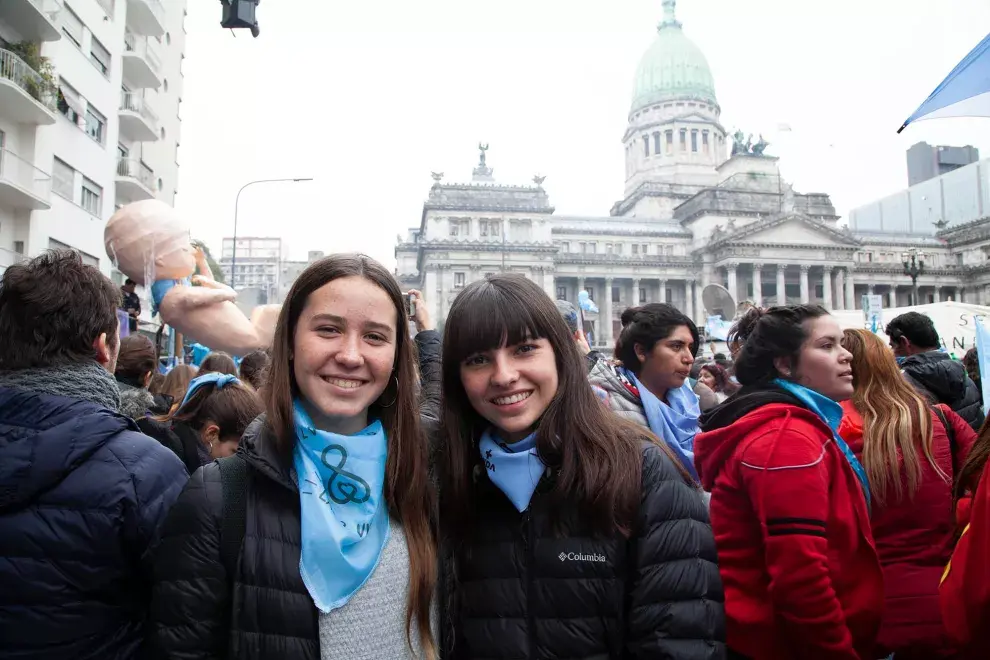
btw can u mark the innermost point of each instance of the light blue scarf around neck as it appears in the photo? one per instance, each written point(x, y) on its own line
point(829, 412)
point(515, 469)
point(675, 422)
point(343, 515)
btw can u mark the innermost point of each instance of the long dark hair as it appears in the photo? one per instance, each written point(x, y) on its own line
point(407, 484)
point(976, 461)
point(232, 408)
point(595, 455)
point(135, 360)
point(645, 326)
point(770, 334)
point(218, 362)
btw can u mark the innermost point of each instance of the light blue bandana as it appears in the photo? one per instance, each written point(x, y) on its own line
point(515, 469)
point(675, 422)
point(344, 517)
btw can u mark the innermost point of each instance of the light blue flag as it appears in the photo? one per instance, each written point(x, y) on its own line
point(983, 348)
point(965, 92)
point(586, 303)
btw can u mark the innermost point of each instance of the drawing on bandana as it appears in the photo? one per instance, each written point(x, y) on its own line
point(348, 489)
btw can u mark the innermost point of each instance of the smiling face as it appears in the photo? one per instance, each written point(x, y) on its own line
point(823, 364)
point(343, 352)
point(668, 364)
point(511, 386)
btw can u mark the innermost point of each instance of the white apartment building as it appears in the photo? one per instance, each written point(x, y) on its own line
point(89, 118)
point(255, 264)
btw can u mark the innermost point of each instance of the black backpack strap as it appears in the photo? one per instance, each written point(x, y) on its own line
point(233, 478)
point(952, 436)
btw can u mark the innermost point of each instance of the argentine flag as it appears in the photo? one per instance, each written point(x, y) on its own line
point(983, 348)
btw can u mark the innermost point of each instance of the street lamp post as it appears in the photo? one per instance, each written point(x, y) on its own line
point(914, 265)
point(237, 200)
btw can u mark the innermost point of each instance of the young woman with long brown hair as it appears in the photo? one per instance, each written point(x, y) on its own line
point(338, 558)
point(571, 533)
point(905, 448)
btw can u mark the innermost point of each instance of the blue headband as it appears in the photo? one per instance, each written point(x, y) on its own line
point(214, 378)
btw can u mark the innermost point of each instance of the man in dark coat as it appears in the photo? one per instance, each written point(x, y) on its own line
point(83, 493)
point(931, 371)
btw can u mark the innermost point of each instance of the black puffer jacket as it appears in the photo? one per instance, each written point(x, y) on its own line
point(944, 380)
point(198, 611)
point(523, 591)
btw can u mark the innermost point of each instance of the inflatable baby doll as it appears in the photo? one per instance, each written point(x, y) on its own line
point(150, 244)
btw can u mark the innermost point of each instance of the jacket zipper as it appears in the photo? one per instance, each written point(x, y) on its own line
point(530, 550)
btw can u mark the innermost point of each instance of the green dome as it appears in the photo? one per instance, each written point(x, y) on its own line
point(672, 69)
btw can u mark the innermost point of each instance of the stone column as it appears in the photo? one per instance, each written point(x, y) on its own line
point(635, 293)
point(840, 289)
point(827, 287)
point(869, 289)
point(689, 309)
point(580, 287)
point(758, 285)
point(892, 296)
point(938, 294)
point(446, 284)
point(605, 331)
point(781, 284)
point(804, 284)
point(663, 292)
point(549, 285)
point(431, 289)
point(961, 294)
point(850, 289)
point(730, 271)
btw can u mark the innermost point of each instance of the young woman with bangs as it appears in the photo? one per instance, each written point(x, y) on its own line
point(338, 555)
point(909, 452)
point(569, 533)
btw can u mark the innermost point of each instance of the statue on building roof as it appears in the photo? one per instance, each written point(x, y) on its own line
point(482, 148)
point(941, 224)
point(437, 176)
point(538, 180)
point(739, 143)
point(760, 146)
point(482, 172)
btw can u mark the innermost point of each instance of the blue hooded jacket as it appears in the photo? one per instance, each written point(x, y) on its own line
point(83, 496)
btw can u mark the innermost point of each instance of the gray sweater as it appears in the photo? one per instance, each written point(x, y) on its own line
point(372, 625)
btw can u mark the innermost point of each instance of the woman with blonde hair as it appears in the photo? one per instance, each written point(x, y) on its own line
point(909, 452)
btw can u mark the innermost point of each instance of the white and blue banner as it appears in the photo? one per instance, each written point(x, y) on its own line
point(718, 329)
point(965, 92)
point(983, 349)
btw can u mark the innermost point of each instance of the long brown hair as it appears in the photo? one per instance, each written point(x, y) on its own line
point(897, 422)
point(976, 461)
point(177, 382)
point(232, 408)
point(595, 454)
point(408, 492)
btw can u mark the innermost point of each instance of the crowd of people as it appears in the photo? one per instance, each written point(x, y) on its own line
point(496, 490)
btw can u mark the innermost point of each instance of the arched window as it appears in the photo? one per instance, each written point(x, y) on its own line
point(656, 143)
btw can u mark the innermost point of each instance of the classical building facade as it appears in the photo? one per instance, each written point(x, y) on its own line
point(699, 207)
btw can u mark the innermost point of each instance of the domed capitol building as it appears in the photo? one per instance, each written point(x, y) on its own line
point(700, 206)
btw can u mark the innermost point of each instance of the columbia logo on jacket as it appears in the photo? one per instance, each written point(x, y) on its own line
point(577, 556)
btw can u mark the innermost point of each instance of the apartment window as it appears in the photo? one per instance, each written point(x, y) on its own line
point(458, 280)
point(644, 250)
point(69, 101)
point(72, 26)
point(561, 293)
point(584, 248)
point(642, 295)
point(19, 247)
point(616, 294)
point(608, 248)
point(565, 247)
point(683, 139)
point(99, 55)
point(63, 179)
point(668, 294)
point(618, 248)
point(591, 292)
point(668, 250)
point(92, 197)
point(694, 141)
point(635, 248)
point(670, 142)
point(96, 124)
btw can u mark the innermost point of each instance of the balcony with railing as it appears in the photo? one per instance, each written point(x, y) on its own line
point(33, 20)
point(142, 65)
point(25, 97)
point(135, 180)
point(138, 122)
point(22, 185)
point(146, 17)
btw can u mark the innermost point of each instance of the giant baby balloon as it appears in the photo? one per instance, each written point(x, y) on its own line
point(149, 242)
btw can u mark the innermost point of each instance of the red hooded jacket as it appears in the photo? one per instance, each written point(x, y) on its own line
point(965, 590)
point(915, 537)
point(801, 575)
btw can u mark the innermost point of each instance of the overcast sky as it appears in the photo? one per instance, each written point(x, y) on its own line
point(369, 97)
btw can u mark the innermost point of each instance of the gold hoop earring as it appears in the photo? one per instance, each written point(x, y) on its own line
point(396, 398)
